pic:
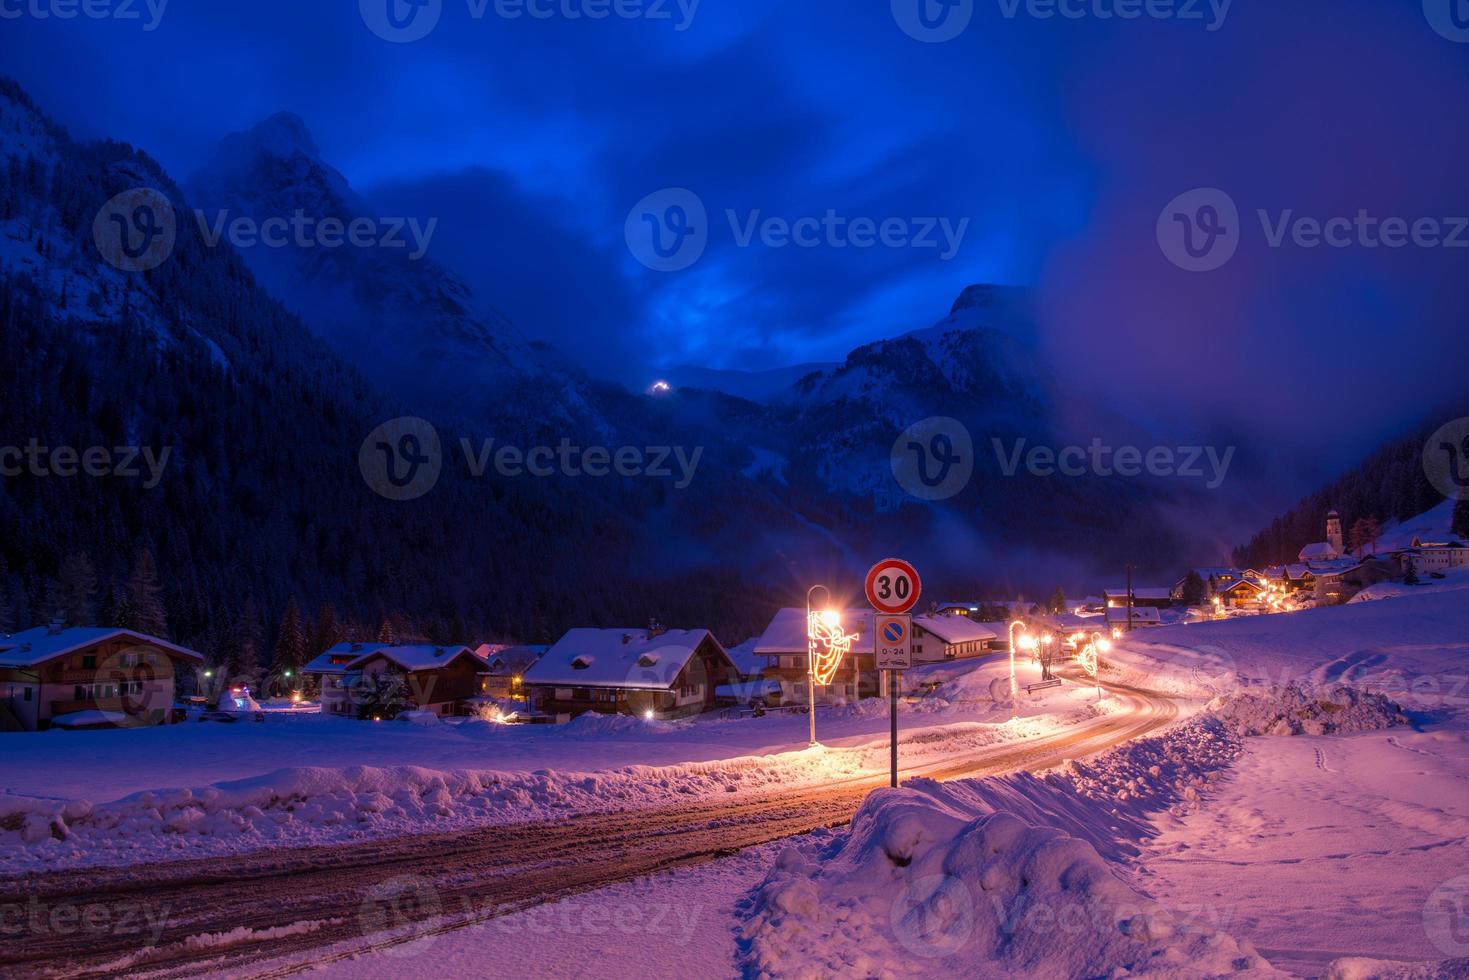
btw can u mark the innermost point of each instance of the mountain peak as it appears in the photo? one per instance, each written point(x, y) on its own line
point(284, 134)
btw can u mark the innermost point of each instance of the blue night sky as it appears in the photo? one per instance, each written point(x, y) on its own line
point(1060, 141)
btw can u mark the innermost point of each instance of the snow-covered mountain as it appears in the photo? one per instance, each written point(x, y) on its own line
point(412, 326)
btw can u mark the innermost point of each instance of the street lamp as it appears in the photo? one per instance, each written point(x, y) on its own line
point(1014, 692)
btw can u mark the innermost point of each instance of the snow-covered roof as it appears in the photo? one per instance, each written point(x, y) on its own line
point(1242, 582)
point(955, 629)
point(1140, 614)
point(787, 631)
point(1320, 551)
point(416, 657)
point(335, 659)
point(1297, 571)
point(1120, 595)
point(347, 657)
point(511, 659)
point(621, 658)
point(33, 647)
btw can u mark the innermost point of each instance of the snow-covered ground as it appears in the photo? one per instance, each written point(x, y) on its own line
point(1211, 849)
point(198, 789)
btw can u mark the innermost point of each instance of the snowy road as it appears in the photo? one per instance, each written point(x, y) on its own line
point(191, 917)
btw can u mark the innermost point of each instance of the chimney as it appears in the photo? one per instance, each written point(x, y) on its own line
point(655, 628)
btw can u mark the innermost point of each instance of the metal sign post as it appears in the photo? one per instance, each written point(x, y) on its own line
point(892, 590)
point(894, 651)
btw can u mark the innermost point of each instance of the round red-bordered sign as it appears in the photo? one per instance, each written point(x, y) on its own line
point(893, 586)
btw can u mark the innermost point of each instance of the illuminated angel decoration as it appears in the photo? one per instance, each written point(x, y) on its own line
point(828, 644)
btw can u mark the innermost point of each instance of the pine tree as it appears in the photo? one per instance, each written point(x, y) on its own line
point(248, 641)
point(1410, 577)
point(290, 644)
point(1058, 601)
point(7, 610)
point(1194, 590)
point(146, 612)
point(77, 591)
point(385, 631)
point(1460, 526)
point(328, 632)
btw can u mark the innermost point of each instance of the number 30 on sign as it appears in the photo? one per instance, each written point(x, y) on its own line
point(893, 586)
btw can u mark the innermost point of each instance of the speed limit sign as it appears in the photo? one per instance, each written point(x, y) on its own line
point(893, 586)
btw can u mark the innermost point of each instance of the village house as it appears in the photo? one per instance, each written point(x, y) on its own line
point(1142, 616)
point(937, 638)
point(505, 668)
point(1338, 581)
point(1147, 598)
point(1240, 593)
point(649, 673)
point(440, 679)
point(783, 646)
point(1434, 557)
point(88, 677)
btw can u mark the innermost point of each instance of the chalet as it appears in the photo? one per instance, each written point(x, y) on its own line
point(88, 676)
point(1338, 581)
point(1142, 616)
point(505, 666)
point(1147, 598)
point(653, 673)
point(783, 647)
point(439, 679)
point(1240, 593)
point(938, 638)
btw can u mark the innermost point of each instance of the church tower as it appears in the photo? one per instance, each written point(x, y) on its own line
point(1333, 532)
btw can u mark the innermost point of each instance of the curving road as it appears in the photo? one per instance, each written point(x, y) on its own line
point(300, 901)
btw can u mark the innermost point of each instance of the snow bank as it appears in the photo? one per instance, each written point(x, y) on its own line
point(1294, 710)
point(920, 888)
point(1019, 874)
point(1361, 968)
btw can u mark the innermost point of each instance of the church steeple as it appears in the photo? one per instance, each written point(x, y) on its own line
point(1333, 532)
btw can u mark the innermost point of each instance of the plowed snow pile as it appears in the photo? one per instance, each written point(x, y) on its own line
point(1021, 875)
point(1295, 710)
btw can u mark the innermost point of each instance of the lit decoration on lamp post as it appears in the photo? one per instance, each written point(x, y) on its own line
point(826, 645)
point(829, 644)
